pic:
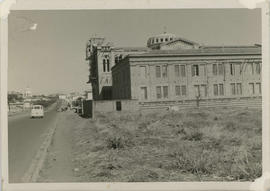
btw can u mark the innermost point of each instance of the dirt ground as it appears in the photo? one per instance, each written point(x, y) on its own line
point(59, 165)
point(190, 145)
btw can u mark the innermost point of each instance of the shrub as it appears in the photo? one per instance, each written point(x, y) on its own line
point(118, 142)
point(230, 126)
point(191, 124)
point(244, 167)
point(143, 125)
point(194, 161)
point(180, 131)
point(212, 143)
point(104, 173)
point(143, 175)
point(193, 135)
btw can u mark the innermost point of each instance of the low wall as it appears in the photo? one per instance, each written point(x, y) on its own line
point(110, 105)
point(249, 102)
point(134, 105)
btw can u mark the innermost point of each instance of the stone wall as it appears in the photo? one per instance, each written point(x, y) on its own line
point(110, 105)
point(135, 105)
point(249, 102)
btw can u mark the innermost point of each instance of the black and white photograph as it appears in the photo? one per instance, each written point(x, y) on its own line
point(134, 95)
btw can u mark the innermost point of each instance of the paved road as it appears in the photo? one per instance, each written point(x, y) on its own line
point(25, 136)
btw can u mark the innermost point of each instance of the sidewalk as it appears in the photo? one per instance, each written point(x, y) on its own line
point(58, 165)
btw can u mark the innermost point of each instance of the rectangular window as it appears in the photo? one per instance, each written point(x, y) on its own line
point(184, 90)
point(183, 70)
point(164, 71)
point(215, 90)
point(251, 88)
point(258, 68)
point(221, 89)
point(220, 69)
point(116, 59)
point(197, 90)
point(177, 90)
point(239, 89)
point(214, 69)
point(158, 92)
point(195, 70)
point(204, 90)
point(192, 71)
point(108, 65)
point(158, 72)
point(104, 65)
point(233, 89)
point(202, 69)
point(232, 71)
point(177, 70)
point(118, 106)
point(144, 92)
point(143, 71)
point(237, 69)
point(165, 91)
point(251, 68)
point(258, 87)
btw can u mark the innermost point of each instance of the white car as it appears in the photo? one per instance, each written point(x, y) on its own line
point(37, 111)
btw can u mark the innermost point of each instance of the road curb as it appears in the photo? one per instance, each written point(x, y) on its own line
point(33, 171)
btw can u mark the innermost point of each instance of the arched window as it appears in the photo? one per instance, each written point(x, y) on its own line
point(108, 65)
point(104, 65)
point(116, 59)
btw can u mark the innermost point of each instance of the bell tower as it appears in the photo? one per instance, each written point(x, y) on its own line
point(100, 58)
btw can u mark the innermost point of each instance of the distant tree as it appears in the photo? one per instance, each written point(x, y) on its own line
point(12, 98)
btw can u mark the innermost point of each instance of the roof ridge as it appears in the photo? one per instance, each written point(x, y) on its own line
point(231, 46)
point(182, 39)
point(195, 52)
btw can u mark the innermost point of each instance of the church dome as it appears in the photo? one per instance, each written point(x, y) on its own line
point(161, 38)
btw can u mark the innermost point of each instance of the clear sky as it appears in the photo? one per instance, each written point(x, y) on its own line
point(51, 57)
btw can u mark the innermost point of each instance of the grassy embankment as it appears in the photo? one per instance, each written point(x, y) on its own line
point(191, 145)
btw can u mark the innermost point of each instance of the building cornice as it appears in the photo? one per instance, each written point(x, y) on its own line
point(192, 55)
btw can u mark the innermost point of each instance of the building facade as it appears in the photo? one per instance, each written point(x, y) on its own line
point(206, 73)
point(171, 68)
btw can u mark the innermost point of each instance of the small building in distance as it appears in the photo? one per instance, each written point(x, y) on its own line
point(28, 93)
point(175, 70)
point(62, 96)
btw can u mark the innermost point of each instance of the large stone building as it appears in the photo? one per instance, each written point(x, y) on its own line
point(174, 69)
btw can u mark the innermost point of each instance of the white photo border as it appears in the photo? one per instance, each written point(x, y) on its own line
point(262, 183)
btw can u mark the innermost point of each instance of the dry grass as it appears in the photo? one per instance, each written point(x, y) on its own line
point(190, 145)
